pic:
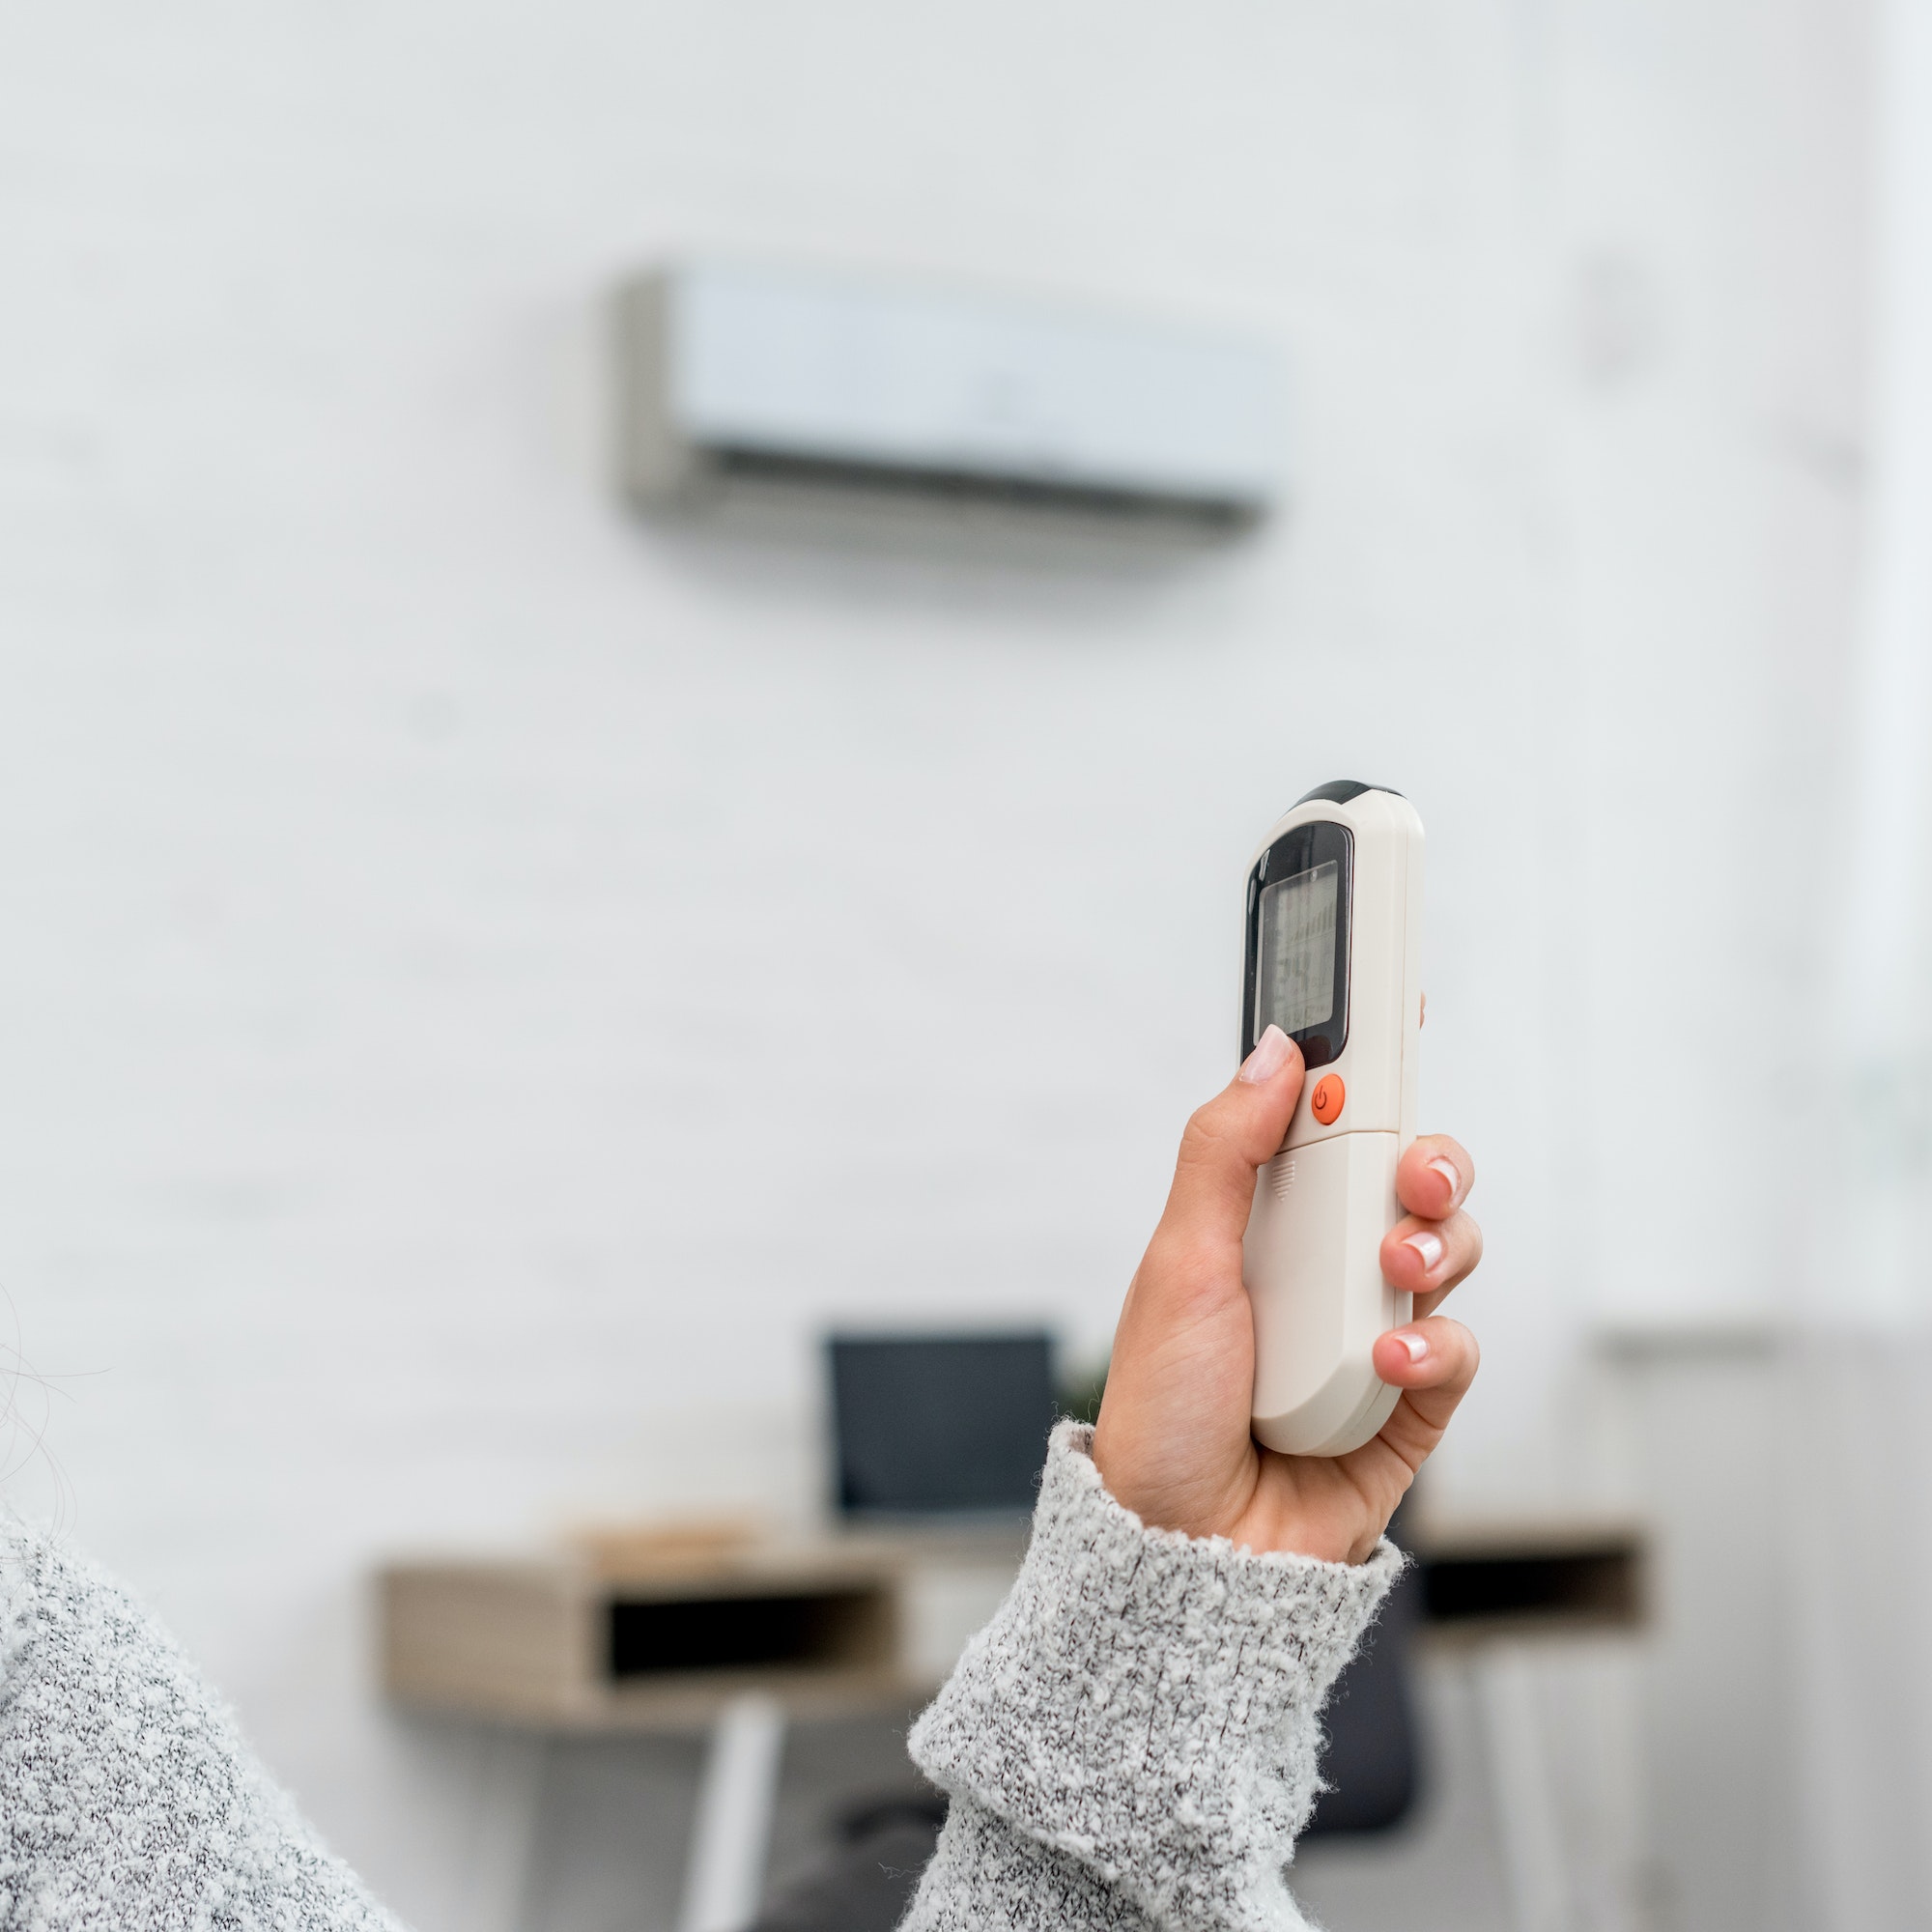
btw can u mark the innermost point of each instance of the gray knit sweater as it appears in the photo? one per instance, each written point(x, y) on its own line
point(127, 1799)
point(1130, 1742)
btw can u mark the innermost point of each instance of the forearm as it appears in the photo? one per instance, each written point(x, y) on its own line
point(1132, 1741)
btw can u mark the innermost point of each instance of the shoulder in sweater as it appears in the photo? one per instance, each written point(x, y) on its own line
point(127, 1797)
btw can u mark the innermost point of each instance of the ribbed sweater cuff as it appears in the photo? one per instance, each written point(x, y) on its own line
point(1145, 1702)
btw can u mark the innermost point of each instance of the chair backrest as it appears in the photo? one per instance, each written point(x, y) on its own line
point(1372, 1760)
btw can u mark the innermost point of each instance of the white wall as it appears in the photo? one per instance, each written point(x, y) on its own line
point(485, 980)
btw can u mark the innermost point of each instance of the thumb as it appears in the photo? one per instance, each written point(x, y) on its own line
point(1228, 1138)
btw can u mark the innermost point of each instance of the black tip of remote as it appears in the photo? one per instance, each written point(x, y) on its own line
point(1339, 791)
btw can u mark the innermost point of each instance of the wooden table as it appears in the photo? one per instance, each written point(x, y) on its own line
point(745, 1638)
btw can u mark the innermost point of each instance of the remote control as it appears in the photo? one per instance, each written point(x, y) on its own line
point(1333, 957)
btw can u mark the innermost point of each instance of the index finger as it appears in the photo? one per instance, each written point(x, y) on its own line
point(1434, 1177)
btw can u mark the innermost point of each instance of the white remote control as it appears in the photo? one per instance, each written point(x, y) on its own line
point(1333, 957)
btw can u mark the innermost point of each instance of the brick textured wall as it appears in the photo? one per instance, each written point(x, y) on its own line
point(483, 981)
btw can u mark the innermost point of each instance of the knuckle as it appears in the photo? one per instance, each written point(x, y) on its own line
point(1471, 1241)
point(1459, 1351)
point(1202, 1138)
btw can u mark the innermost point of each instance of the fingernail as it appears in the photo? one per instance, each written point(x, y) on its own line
point(1429, 1246)
point(1416, 1345)
point(1450, 1173)
point(1269, 1056)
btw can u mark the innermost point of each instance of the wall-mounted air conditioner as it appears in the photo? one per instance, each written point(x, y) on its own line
point(731, 370)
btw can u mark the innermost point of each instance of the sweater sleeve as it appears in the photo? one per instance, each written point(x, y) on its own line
point(1131, 1742)
point(128, 1798)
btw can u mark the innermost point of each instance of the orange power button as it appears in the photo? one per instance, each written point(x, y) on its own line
point(1325, 1102)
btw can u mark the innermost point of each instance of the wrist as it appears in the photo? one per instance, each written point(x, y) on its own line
point(1189, 1502)
point(1264, 1510)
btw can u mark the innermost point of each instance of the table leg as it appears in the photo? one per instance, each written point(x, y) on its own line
point(1527, 1826)
point(731, 1838)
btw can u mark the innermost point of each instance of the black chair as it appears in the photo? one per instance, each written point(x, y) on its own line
point(1371, 1766)
point(915, 1417)
point(865, 1881)
point(1372, 1762)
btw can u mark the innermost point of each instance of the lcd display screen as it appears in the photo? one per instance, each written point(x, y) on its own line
point(1296, 985)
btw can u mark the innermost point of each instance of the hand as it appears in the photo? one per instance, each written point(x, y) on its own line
point(1173, 1443)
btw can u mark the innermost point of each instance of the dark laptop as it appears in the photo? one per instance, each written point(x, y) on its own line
point(941, 1425)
